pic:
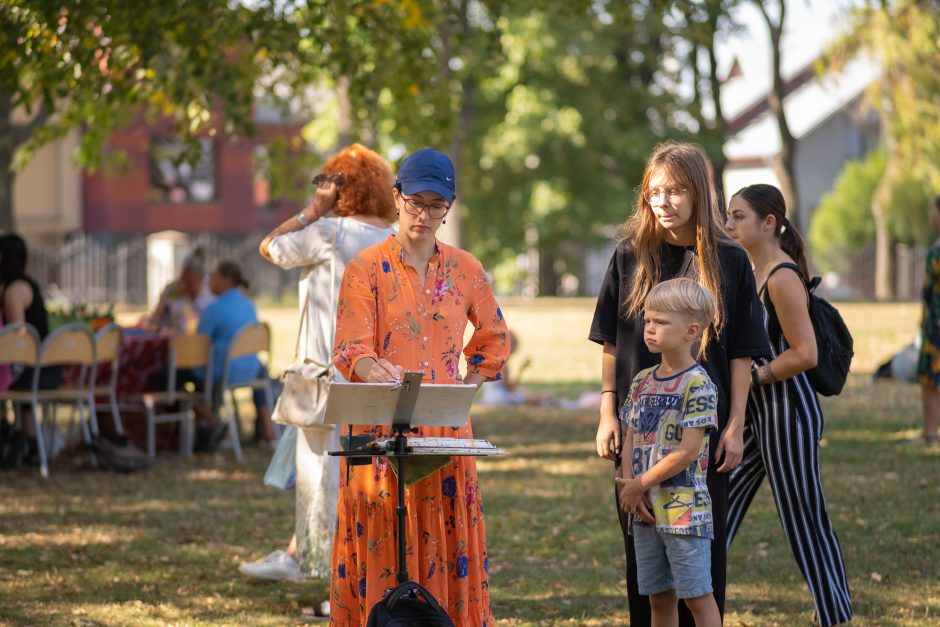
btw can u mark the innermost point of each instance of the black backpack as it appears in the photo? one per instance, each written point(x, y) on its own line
point(834, 345)
point(403, 606)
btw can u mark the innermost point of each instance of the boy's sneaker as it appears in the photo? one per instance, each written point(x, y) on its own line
point(275, 566)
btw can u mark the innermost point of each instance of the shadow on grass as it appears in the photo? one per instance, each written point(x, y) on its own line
point(157, 546)
point(559, 608)
point(163, 546)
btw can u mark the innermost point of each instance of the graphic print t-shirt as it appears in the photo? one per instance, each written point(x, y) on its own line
point(659, 410)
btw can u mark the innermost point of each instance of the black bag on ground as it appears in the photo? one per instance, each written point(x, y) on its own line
point(408, 605)
point(834, 344)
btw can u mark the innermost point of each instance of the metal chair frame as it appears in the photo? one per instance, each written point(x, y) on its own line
point(107, 351)
point(185, 351)
point(251, 339)
point(71, 343)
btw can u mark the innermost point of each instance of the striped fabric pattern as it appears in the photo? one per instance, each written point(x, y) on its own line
point(784, 423)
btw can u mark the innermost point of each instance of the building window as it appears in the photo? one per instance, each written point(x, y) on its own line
point(179, 177)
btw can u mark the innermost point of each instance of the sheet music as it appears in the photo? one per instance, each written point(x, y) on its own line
point(447, 446)
point(444, 405)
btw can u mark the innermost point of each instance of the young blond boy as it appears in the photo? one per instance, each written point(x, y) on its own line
point(666, 420)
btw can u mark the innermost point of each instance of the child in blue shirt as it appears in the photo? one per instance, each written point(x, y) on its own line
point(666, 420)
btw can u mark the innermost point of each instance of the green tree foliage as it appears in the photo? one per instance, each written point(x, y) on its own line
point(196, 64)
point(549, 108)
point(843, 218)
point(564, 131)
point(904, 38)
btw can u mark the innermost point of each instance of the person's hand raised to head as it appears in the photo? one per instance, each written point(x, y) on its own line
point(326, 195)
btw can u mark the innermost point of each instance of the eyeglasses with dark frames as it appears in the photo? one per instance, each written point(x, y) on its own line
point(415, 207)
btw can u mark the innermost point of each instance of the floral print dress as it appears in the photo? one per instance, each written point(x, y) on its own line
point(928, 368)
point(384, 312)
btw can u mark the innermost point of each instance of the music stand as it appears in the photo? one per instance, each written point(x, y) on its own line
point(403, 406)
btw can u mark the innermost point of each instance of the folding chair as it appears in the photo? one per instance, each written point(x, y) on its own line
point(107, 352)
point(185, 351)
point(19, 345)
point(72, 343)
point(251, 339)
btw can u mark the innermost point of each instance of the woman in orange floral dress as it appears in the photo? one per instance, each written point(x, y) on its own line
point(403, 306)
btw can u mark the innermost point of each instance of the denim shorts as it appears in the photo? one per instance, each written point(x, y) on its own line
point(668, 561)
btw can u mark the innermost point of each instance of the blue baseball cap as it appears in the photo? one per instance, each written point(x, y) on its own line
point(427, 170)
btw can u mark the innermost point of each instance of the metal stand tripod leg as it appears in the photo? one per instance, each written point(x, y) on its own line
point(401, 510)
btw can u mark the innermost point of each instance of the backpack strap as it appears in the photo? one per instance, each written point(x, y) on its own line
point(764, 293)
point(410, 588)
point(780, 266)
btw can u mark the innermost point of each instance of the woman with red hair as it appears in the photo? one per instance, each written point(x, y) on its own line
point(352, 209)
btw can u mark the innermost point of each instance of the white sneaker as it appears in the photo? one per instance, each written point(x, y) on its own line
point(275, 566)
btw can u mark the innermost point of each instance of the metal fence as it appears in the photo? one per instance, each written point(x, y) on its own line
point(92, 269)
point(95, 270)
point(850, 275)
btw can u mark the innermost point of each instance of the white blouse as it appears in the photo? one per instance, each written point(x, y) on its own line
point(311, 249)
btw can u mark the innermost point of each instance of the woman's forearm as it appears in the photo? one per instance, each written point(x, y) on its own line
point(289, 225)
point(740, 387)
point(787, 364)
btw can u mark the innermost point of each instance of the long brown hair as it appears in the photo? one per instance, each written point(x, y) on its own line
point(688, 166)
point(367, 184)
point(766, 200)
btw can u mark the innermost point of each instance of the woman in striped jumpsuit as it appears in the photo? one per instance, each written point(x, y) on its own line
point(784, 421)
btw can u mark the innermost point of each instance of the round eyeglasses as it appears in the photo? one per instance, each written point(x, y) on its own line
point(415, 207)
point(674, 193)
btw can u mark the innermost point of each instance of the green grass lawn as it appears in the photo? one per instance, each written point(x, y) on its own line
point(162, 546)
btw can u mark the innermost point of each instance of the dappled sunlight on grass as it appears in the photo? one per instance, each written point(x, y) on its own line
point(549, 449)
point(163, 546)
point(214, 475)
point(61, 536)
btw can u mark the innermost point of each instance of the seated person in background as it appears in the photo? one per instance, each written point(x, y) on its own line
point(220, 321)
point(506, 391)
point(23, 302)
point(183, 300)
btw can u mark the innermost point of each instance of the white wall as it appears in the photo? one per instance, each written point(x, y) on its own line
point(736, 178)
point(47, 193)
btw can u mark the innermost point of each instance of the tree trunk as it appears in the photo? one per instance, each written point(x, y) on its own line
point(457, 148)
point(884, 286)
point(548, 273)
point(7, 177)
point(530, 287)
point(784, 162)
point(719, 161)
point(451, 232)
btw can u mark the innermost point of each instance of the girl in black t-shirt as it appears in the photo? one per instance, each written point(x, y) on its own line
point(676, 230)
